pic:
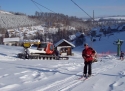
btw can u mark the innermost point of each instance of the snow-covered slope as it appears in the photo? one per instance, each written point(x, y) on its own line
point(8, 20)
point(62, 75)
point(106, 43)
point(4, 12)
point(111, 17)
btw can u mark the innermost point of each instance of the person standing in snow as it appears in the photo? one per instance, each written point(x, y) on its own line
point(56, 53)
point(88, 56)
point(122, 56)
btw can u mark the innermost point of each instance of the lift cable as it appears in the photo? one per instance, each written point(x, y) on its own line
point(82, 9)
point(36, 5)
point(42, 6)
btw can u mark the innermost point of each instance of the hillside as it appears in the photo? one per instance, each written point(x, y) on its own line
point(45, 26)
point(16, 20)
point(9, 20)
point(111, 18)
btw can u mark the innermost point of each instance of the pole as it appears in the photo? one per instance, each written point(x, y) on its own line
point(93, 17)
point(93, 25)
point(118, 43)
point(118, 47)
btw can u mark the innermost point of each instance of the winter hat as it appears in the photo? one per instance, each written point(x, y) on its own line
point(85, 44)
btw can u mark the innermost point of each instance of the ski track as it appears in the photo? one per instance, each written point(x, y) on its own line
point(4, 75)
point(70, 85)
point(65, 85)
point(9, 87)
point(58, 84)
point(71, 82)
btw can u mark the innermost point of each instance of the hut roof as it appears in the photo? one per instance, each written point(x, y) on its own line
point(63, 40)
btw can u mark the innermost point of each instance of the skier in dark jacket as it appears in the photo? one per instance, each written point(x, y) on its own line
point(122, 56)
point(88, 56)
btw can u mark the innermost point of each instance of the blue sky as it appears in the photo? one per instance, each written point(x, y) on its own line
point(67, 7)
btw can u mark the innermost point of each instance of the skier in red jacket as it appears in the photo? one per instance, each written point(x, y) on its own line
point(88, 56)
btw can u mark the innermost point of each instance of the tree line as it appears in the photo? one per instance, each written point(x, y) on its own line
point(57, 19)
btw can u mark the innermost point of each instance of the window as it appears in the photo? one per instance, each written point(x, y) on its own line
point(43, 45)
point(51, 47)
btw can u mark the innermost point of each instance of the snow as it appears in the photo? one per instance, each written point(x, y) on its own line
point(33, 31)
point(11, 39)
point(4, 12)
point(63, 40)
point(113, 17)
point(62, 75)
point(9, 20)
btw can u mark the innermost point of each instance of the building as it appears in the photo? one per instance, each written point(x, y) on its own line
point(11, 41)
point(64, 47)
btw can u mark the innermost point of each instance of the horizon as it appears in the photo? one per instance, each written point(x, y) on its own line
point(66, 7)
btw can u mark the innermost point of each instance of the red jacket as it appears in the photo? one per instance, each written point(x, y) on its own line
point(88, 54)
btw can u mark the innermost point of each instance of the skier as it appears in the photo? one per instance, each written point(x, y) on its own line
point(122, 56)
point(88, 56)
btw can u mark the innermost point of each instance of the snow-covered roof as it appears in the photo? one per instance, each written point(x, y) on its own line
point(58, 43)
point(11, 39)
point(72, 37)
point(32, 41)
point(121, 27)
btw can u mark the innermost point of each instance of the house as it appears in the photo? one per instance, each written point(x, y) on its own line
point(64, 47)
point(11, 41)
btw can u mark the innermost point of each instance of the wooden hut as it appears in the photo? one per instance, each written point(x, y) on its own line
point(64, 47)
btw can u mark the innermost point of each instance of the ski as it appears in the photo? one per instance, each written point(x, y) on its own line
point(86, 78)
point(81, 77)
